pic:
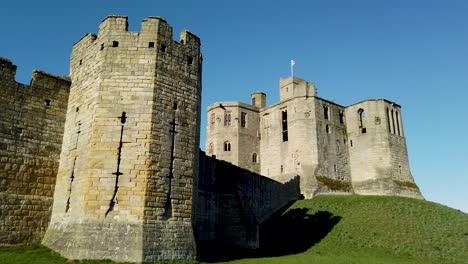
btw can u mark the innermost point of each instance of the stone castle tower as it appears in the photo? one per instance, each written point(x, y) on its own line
point(130, 147)
point(360, 148)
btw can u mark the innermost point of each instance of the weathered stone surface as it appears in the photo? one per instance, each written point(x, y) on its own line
point(31, 130)
point(307, 136)
point(125, 167)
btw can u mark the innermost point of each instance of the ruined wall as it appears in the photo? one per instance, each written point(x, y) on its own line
point(377, 147)
point(333, 156)
point(231, 203)
point(124, 186)
point(31, 131)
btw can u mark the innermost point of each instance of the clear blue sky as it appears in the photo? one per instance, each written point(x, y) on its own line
point(412, 52)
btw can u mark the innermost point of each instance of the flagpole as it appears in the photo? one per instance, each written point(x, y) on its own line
point(293, 62)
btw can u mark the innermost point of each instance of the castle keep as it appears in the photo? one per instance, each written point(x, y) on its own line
point(360, 148)
point(105, 164)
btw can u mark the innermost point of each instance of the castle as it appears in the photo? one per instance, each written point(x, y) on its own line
point(360, 147)
point(105, 164)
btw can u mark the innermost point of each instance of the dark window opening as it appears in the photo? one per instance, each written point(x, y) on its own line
point(325, 112)
point(174, 106)
point(46, 102)
point(227, 118)
point(163, 48)
point(327, 129)
point(335, 168)
point(254, 158)
point(397, 123)
point(351, 143)
point(243, 119)
point(115, 44)
point(227, 146)
point(189, 60)
point(362, 115)
point(281, 169)
point(81, 62)
point(77, 109)
point(102, 46)
point(151, 45)
point(341, 116)
point(284, 122)
point(393, 122)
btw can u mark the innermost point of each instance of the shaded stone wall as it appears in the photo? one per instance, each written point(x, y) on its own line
point(232, 202)
point(31, 131)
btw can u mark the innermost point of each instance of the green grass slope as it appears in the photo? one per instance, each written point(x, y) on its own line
point(341, 229)
point(369, 229)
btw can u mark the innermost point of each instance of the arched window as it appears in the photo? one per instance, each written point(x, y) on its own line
point(362, 115)
point(210, 148)
point(388, 121)
point(393, 122)
point(254, 158)
point(227, 146)
point(397, 117)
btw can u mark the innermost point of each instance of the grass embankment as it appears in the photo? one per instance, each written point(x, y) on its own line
point(341, 229)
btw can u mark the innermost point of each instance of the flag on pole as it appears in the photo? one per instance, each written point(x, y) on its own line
point(293, 62)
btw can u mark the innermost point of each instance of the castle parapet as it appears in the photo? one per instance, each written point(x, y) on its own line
point(7, 69)
point(296, 87)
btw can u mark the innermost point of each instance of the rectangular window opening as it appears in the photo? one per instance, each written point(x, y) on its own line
point(325, 112)
point(163, 48)
point(189, 60)
point(212, 120)
point(115, 44)
point(243, 119)
point(151, 45)
point(284, 122)
point(341, 117)
point(227, 118)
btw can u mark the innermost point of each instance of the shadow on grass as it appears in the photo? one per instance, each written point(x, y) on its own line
point(292, 232)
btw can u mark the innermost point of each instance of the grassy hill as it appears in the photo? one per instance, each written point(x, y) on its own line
point(342, 229)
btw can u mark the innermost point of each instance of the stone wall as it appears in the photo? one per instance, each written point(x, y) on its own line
point(377, 147)
point(240, 131)
point(130, 146)
point(31, 131)
point(231, 203)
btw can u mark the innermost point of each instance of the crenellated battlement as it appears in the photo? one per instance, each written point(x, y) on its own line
point(7, 69)
point(113, 42)
point(116, 25)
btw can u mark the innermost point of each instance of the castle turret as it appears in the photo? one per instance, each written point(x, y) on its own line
point(233, 134)
point(130, 144)
point(259, 99)
point(377, 150)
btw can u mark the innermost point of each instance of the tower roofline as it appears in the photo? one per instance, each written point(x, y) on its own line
point(385, 100)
